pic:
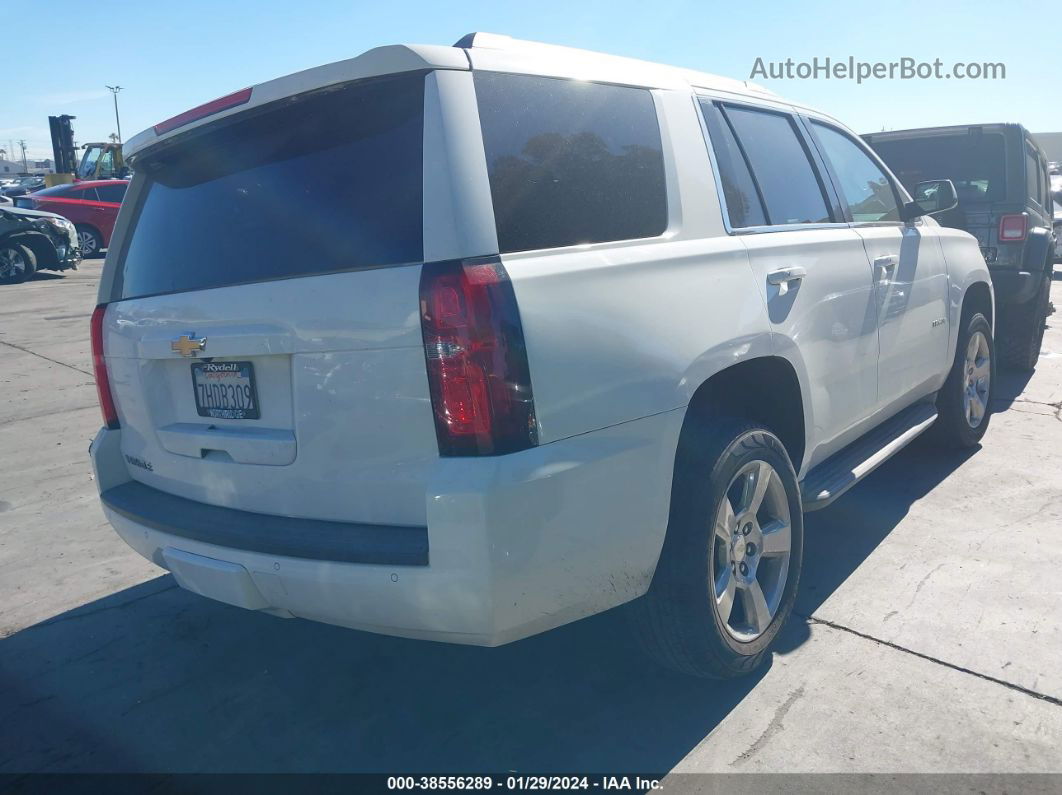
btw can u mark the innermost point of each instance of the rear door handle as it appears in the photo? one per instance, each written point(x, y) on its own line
point(783, 277)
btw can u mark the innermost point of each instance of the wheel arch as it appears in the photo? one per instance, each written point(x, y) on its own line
point(978, 298)
point(42, 248)
point(764, 389)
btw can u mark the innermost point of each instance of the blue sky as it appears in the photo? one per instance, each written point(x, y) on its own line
point(170, 56)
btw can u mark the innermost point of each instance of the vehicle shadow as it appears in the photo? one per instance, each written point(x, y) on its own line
point(1010, 385)
point(45, 276)
point(839, 538)
point(157, 679)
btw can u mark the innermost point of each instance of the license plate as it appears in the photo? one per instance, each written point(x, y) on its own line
point(225, 390)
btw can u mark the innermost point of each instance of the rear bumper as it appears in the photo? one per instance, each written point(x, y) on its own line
point(514, 545)
point(310, 539)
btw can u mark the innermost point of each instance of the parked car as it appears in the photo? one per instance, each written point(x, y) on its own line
point(1001, 176)
point(92, 206)
point(23, 186)
point(31, 241)
point(484, 339)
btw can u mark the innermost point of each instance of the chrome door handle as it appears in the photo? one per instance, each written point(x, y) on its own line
point(885, 265)
point(783, 277)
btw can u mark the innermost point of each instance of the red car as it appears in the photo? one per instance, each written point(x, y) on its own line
point(92, 207)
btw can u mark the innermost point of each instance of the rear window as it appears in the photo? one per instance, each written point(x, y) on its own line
point(331, 181)
point(570, 162)
point(974, 162)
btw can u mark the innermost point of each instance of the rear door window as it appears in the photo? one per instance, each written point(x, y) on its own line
point(85, 194)
point(328, 181)
point(570, 162)
point(111, 193)
point(743, 204)
point(780, 165)
point(863, 184)
point(1032, 177)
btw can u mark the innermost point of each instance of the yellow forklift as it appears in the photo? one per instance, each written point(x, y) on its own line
point(99, 160)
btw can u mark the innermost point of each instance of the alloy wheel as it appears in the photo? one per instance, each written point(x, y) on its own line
point(12, 263)
point(752, 543)
point(977, 372)
point(86, 241)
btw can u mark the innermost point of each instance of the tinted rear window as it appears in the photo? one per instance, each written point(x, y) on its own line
point(780, 166)
point(975, 163)
point(329, 182)
point(111, 193)
point(570, 162)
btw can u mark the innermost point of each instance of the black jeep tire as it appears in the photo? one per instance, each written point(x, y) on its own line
point(680, 621)
point(17, 263)
point(1022, 336)
point(964, 403)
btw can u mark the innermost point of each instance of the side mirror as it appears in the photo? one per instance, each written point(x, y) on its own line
point(932, 197)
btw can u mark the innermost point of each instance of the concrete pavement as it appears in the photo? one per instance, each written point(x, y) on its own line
point(927, 640)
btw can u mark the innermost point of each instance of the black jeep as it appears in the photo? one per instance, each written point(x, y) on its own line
point(1004, 189)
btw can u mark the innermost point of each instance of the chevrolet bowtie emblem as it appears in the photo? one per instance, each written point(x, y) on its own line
point(188, 346)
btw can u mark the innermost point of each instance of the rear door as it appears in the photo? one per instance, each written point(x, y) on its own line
point(109, 198)
point(910, 276)
point(817, 282)
point(263, 335)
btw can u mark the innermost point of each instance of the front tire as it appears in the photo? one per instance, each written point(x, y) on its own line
point(89, 241)
point(964, 403)
point(17, 263)
point(727, 576)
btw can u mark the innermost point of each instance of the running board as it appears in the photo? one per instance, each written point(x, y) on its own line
point(838, 473)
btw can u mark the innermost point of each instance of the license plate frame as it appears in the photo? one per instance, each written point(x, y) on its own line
point(237, 385)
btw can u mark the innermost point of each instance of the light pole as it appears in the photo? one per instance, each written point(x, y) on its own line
point(117, 121)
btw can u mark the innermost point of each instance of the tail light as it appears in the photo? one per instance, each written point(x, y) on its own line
point(99, 369)
point(478, 374)
point(1013, 228)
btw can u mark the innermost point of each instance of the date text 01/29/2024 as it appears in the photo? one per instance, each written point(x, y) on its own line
point(523, 782)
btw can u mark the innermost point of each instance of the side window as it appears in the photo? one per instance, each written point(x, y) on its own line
point(780, 166)
point(111, 193)
point(1032, 177)
point(85, 194)
point(743, 204)
point(865, 187)
point(570, 162)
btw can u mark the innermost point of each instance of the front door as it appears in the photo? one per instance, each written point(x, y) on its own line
point(907, 266)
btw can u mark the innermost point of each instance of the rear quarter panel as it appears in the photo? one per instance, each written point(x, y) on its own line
point(620, 331)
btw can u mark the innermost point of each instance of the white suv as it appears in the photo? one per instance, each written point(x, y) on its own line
point(465, 343)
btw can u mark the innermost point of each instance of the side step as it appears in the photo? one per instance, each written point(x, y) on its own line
point(838, 473)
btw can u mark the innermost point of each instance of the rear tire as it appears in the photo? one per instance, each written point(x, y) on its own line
point(964, 403)
point(17, 263)
point(1022, 337)
point(728, 573)
point(89, 241)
